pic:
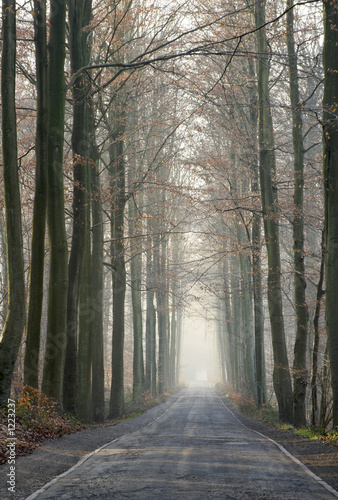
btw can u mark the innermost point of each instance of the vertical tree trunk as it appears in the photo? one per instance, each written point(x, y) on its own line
point(162, 317)
point(236, 314)
point(178, 342)
point(229, 326)
point(258, 310)
point(149, 305)
point(221, 340)
point(85, 325)
point(116, 408)
point(151, 371)
point(281, 377)
point(173, 339)
point(15, 319)
point(52, 383)
point(31, 366)
point(135, 271)
point(97, 286)
point(330, 177)
point(324, 410)
point(300, 374)
point(79, 17)
point(256, 252)
point(248, 326)
point(316, 336)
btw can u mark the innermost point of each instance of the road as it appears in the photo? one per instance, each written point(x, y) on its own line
point(197, 450)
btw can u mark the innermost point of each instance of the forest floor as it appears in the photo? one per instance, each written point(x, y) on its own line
point(54, 456)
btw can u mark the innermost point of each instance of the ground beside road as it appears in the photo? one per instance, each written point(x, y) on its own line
point(54, 457)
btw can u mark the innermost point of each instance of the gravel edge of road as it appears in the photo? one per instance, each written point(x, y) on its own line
point(55, 457)
point(319, 457)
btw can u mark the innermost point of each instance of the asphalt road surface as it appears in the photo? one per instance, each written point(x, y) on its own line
point(196, 450)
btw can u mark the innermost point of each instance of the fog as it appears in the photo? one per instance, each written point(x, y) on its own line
point(199, 361)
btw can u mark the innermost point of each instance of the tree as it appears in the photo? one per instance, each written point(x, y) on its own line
point(330, 180)
point(117, 173)
point(300, 373)
point(31, 367)
point(15, 319)
point(52, 383)
point(97, 280)
point(79, 18)
point(267, 164)
point(135, 273)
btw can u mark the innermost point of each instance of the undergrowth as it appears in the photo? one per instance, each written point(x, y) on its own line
point(136, 407)
point(268, 414)
point(37, 418)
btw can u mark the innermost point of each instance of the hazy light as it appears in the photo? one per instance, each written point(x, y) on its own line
point(198, 363)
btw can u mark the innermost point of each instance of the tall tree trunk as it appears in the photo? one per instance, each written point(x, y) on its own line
point(85, 325)
point(236, 314)
point(281, 376)
point(221, 340)
point(162, 317)
point(117, 166)
point(31, 366)
point(97, 287)
point(300, 373)
point(52, 382)
point(229, 326)
point(248, 323)
point(15, 319)
point(258, 310)
point(79, 17)
point(316, 337)
point(178, 341)
point(324, 410)
point(151, 371)
point(173, 339)
point(256, 251)
point(330, 177)
point(135, 271)
point(149, 305)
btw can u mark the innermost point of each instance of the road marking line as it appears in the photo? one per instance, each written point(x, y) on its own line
point(287, 453)
point(86, 457)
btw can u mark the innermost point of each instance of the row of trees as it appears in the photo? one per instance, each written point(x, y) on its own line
point(159, 170)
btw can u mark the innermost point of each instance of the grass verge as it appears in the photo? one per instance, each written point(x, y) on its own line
point(268, 414)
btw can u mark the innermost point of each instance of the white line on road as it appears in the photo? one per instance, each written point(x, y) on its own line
point(85, 458)
point(287, 453)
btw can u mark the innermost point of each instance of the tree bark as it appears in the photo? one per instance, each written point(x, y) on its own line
point(256, 246)
point(247, 311)
point(135, 272)
point(79, 17)
point(31, 365)
point(229, 326)
point(151, 371)
point(117, 166)
point(52, 383)
point(97, 286)
point(330, 179)
point(316, 337)
point(281, 376)
point(15, 319)
point(300, 373)
point(85, 325)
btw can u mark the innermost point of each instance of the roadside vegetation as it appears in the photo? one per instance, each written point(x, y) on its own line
point(38, 418)
point(268, 414)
